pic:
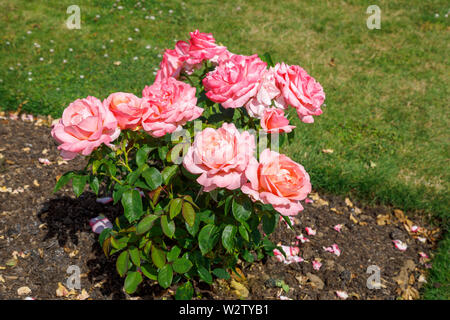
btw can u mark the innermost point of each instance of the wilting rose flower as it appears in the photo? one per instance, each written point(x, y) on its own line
point(267, 91)
point(84, 126)
point(235, 81)
point(173, 61)
point(169, 103)
point(273, 120)
point(299, 90)
point(127, 109)
point(203, 47)
point(277, 180)
point(220, 156)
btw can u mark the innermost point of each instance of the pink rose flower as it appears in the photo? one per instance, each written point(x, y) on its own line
point(277, 180)
point(169, 103)
point(220, 156)
point(235, 81)
point(127, 109)
point(173, 61)
point(84, 126)
point(299, 90)
point(273, 121)
point(267, 91)
point(203, 47)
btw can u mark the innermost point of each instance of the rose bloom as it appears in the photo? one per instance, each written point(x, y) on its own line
point(273, 120)
point(169, 103)
point(300, 90)
point(277, 180)
point(267, 91)
point(203, 47)
point(173, 61)
point(127, 109)
point(84, 126)
point(235, 81)
point(220, 156)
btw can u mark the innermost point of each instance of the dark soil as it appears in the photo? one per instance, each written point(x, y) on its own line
point(47, 233)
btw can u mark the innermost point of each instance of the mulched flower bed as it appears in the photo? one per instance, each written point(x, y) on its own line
point(42, 234)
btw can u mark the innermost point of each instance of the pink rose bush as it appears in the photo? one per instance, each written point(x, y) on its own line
point(299, 90)
point(127, 109)
point(235, 81)
point(84, 126)
point(220, 156)
point(169, 103)
point(277, 180)
point(186, 161)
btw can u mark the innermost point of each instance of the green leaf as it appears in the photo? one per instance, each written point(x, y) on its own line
point(132, 281)
point(65, 178)
point(228, 202)
point(173, 253)
point(153, 177)
point(118, 192)
point(142, 155)
point(188, 213)
point(146, 224)
point(122, 263)
point(193, 229)
point(149, 271)
point(135, 256)
point(242, 209)
point(78, 184)
point(243, 232)
point(132, 205)
point(165, 276)
point(207, 238)
point(269, 222)
point(185, 291)
point(158, 257)
point(182, 265)
point(162, 152)
point(168, 227)
point(94, 184)
point(248, 256)
point(268, 245)
point(168, 173)
point(96, 164)
point(221, 273)
point(266, 57)
point(104, 235)
point(204, 274)
point(288, 221)
point(175, 207)
point(228, 235)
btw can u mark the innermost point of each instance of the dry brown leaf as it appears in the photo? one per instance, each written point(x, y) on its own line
point(358, 210)
point(384, 219)
point(23, 291)
point(353, 219)
point(399, 215)
point(83, 295)
point(239, 289)
point(348, 202)
point(117, 63)
point(336, 211)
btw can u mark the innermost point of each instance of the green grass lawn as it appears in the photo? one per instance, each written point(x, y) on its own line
point(386, 114)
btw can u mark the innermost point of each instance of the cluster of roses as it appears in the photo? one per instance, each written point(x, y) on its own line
point(223, 157)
